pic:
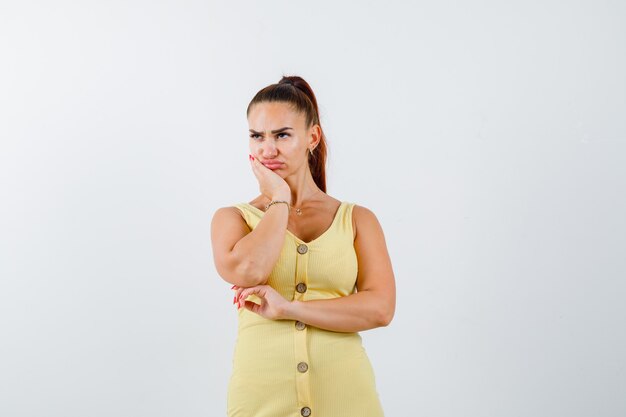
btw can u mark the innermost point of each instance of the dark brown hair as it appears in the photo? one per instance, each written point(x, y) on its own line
point(295, 91)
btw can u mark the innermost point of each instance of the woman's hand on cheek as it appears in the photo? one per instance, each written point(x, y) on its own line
point(271, 184)
point(273, 305)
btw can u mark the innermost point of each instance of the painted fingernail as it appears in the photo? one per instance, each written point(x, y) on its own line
point(234, 298)
point(232, 287)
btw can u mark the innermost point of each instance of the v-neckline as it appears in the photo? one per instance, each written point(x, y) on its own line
point(332, 224)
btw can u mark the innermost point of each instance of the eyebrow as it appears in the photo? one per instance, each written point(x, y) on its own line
point(273, 131)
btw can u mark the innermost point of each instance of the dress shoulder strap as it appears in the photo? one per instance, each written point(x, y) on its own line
point(344, 217)
point(250, 213)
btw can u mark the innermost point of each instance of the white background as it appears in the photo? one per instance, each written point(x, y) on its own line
point(488, 137)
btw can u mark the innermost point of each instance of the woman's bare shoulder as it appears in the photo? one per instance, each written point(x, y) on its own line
point(228, 217)
point(228, 226)
point(364, 218)
point(228, 212)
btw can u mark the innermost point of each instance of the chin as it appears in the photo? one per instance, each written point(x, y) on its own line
point(280, 171)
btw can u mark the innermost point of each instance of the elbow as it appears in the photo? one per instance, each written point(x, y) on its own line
point(257, 280)
point(250, 275)
point(240, 270)
point(385, 315)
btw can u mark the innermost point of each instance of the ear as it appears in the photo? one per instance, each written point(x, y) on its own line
point(315, 134)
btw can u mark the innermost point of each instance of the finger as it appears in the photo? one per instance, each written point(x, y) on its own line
point(242, 302)
point(257, 165)
point(255, 169)
point(258, 290)
point(241, 296)
point(250, 290)
point(249, 305)
point(238, 292)
point(253, 160)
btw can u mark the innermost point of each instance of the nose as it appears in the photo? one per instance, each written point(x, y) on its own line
point(268, 150)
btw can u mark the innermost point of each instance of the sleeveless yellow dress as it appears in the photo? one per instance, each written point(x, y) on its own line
point(286, 368)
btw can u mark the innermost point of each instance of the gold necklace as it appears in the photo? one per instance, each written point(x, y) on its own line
point(298, 210)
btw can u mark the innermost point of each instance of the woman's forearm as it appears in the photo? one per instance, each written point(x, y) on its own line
point(362, 310)
point(260, 249)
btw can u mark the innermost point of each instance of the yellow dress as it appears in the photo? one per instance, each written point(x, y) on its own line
point(286, 368)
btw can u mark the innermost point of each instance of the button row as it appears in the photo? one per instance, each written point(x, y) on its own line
point(302, 366)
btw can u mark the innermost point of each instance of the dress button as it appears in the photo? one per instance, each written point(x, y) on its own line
point(302, 367)
point(301, 287)
point(300, 325)
point(305, 411)
point(302, 248)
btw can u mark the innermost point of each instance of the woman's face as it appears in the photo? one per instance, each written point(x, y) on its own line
point(279, 138)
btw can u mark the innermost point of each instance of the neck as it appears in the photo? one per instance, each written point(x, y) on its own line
point(303, 188)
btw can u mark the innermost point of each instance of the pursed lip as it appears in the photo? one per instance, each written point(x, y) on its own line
point(272, 162)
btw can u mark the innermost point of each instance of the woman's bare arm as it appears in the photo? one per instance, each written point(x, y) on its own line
point(243, 257)
point(373, 305)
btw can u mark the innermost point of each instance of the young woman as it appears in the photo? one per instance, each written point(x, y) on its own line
point(309, 272)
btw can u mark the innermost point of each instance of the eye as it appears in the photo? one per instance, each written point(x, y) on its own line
point(255, 136)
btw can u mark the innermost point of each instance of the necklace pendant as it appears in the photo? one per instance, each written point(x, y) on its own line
point(298, 212)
